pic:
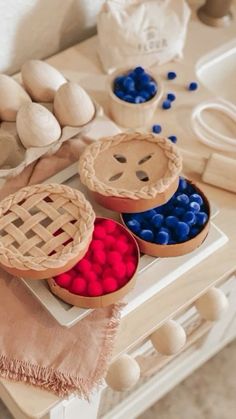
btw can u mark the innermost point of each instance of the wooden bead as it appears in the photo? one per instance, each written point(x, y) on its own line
point(169, 338)
point(123, 373)
point(212, 305)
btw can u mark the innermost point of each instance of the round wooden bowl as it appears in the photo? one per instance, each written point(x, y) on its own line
point(100, 301)
point(132, 115)
point(44, 230)
point(178, 249)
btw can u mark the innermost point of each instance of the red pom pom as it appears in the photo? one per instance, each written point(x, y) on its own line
point(97, 245)
point(109, 225)
point(119, 270)
point(107, 273)
point(99, 232)
point(130, 258)
point(84, 265)
point(122, 281)
point(97, 269)
point(122, 237)
point(95, 289)
point(78, 286)
point(109, 242)
point(130, 269)
point(109, 284)
point(91, 276)
point(64, 280)
point(100, 257)
point(122, 246)
point(113, 257)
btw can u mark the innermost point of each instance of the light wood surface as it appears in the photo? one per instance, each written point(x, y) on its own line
point(80, 64)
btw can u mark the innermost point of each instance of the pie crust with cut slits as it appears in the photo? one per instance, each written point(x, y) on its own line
point(44, 230)
point(134, 166)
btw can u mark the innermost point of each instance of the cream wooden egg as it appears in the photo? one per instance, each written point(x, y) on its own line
point(37, 126)
point(41, 80)
point(212, 305)
point(12, 96)
point(123, 373)
point(72, 105)
point(169, 338)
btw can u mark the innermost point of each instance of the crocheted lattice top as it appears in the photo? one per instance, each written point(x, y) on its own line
point(44, 226)
point(130, 165)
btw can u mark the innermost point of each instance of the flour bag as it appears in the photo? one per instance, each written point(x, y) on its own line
point(146, 32)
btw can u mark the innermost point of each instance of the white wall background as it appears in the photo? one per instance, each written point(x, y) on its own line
point(39, 28)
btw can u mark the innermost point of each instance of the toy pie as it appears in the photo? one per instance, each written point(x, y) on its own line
point(107, 271)
point(175, 228)
point(131, 172)
point(44, 230)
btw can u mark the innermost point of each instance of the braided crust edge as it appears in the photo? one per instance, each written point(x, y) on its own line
point(80, 240)
point(89, 178)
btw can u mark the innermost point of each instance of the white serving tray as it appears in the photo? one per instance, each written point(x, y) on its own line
point(154, 274)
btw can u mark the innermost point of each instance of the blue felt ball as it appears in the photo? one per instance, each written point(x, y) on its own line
point(151, 88)
point(201, 218)
point(182, 200)
point(156, 129)
point(182, 229)
point(178, 211)
point(183, 238)
point(189, 218)
point(194, 206)
point(139, 99)
point(120, 94)
point(182, 184)
point(118, 82)
point(128, 98)
point(195, 197)
point(166, 104)
point(165, 229)
point(173, 138)
point(171, 75)
point(162, 237)
point(157, 220)
point(134, 225)
point(146, 235)
point(149, 214)
point(171, 221)
point(171, 96)
point(139, 70)
point(129, 84)
point(144, 78)
point(193, 232)
point(193, 86)
point(146, 95)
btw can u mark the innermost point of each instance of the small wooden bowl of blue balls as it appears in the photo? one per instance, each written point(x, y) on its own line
point(175, 228)
point(133, 96)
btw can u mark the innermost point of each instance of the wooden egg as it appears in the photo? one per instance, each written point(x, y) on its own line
point(169, 338)
point(12, 96)
point(212, 305)
point(41, 80)
point(72, 105)
point(37, 126)
point(123, 373)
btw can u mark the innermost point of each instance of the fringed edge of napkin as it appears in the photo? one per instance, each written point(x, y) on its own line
point(59, 383)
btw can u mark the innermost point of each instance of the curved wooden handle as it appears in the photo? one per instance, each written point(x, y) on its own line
point(169, 338)
point(123, 373)
point(212, 305)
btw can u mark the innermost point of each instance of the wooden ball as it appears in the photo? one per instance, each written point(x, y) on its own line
point(123, 373)
point(212, 305)
point(169, 338)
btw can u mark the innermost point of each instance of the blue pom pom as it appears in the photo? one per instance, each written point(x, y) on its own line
point(157, 220)
point(194, 206)
point(189, 218)
point(171, 241)
point(165, 229)
point(118, 82)
point(162, 237)
point(166, 104)
point(171, 221)
point(139, 99)
point(182, 184)
point(149, 214)
point(182, 229)
point(196, 198)
point(171, 96)
point(128, 98)
point(173, 138)
point(201, 218)
point(182, 200)
point(193, 86)
point(134, 225)
point(193, 232)
point(146, 235)
point(139, 70)
point(156, 129)
point(146, 95)
point(129, 84)
point(144, 79)
point(151, 88)
point(178, 211)
point(171, 75)
point(120, 94)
